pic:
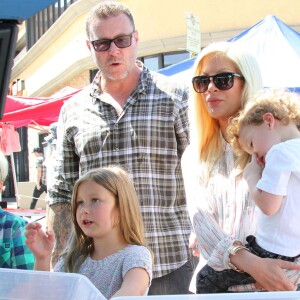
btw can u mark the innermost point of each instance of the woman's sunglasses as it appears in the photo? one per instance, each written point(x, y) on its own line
point(223, 81)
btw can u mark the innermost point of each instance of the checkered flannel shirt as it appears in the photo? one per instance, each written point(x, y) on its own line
point(147, 137)
point(14, 253)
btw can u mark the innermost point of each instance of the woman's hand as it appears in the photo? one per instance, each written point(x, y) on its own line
point(39, 242)
point(269, 273)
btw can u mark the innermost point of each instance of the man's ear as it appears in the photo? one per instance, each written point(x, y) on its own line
point(88, 44)
point(1, 186)
point(136, 36)
point(269, 119)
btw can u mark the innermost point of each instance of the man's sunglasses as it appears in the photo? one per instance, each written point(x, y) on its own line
point(122, 41)
point(223, 81)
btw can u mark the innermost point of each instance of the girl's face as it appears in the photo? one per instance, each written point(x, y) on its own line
point(96, 212)
point(221, 104)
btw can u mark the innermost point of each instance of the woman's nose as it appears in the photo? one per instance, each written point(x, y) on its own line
point(211, 85)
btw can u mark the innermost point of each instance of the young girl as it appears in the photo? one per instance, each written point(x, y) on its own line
point(108, 240)
point(268, 130)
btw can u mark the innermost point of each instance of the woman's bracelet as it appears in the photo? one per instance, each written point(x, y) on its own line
point(236, 246)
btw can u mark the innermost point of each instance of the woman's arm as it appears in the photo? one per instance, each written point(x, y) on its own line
point(41, 244)
point(136, 283)
point(203, 210)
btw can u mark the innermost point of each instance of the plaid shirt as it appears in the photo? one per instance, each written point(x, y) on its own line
point(147, 137)
point(14, 253)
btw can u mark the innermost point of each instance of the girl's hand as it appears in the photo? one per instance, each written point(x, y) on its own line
point(39, 242)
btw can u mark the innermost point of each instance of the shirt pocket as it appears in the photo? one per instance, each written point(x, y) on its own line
point(5, 255)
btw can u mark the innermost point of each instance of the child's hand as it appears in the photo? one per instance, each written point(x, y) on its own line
point(39, 242)
point(254, 168)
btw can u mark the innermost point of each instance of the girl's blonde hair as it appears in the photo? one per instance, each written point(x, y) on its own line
point(205, 132)
point(117, 181)
point(284, 106)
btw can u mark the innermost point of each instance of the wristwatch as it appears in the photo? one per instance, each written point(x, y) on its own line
point(236, 246)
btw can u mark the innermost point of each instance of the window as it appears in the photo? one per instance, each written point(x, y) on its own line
point(174, 58)
point(157, 61)
point(154, 62)
point(39, 23)
point(162, 60)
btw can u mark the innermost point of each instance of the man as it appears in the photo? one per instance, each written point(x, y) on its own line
point(132, 117)
point(40, 184)
point(14, 254)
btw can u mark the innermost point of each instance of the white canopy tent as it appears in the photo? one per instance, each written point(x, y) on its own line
point(276, 47)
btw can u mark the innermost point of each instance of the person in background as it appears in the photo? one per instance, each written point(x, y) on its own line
point(14, 254)
point(41, 181)
point(108, 244)
point(268, 130)
point(133, 117)
point(50, 161)
point(220, 206)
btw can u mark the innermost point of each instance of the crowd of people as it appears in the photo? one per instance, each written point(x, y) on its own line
point(156, 182)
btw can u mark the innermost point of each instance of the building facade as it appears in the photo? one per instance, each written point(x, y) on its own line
point(52, 52)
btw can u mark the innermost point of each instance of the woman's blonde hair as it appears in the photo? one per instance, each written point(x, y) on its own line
point(282, 104)
point(205, 132)
point(117, 181)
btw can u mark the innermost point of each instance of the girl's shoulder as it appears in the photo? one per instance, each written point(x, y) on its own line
point(133, 250)
point(135, 254)
point(137, 257)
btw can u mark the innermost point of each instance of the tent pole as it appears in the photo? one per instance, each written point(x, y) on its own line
point(14, 178)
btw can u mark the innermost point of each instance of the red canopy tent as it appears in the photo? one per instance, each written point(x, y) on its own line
point(32, 112)
point(23, 111)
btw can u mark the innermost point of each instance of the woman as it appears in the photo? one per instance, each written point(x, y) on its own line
point(220, 207)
